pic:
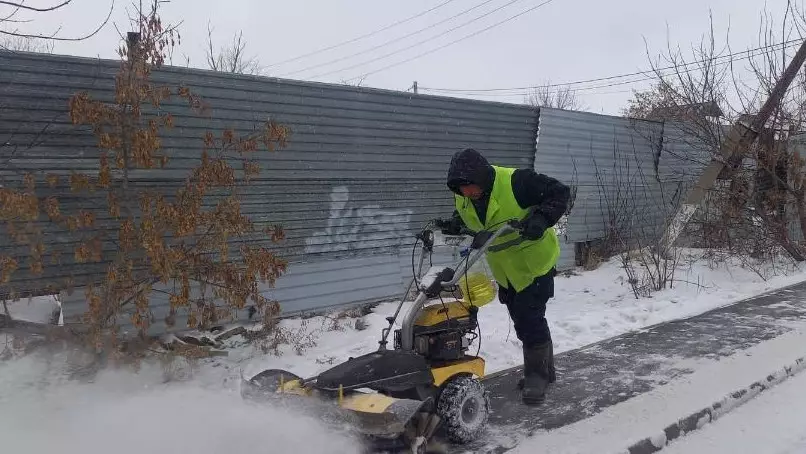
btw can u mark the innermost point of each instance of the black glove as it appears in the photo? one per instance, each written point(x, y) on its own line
point(442, 223)
point(534, 226)
point(448, 226)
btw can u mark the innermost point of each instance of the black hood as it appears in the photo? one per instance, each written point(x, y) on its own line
point(470, 167)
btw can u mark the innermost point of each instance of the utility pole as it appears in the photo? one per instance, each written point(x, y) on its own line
point(414, 87)
point(738, 140)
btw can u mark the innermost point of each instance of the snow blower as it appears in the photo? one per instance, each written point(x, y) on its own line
point(400, 397)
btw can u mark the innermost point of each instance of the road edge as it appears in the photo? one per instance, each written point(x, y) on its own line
point(701, 418)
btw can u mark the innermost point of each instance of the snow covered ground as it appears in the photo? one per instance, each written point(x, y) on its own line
point(772, 423)
point(588, 307)
point(196, 407)
point(646, 415)
point(43, 411)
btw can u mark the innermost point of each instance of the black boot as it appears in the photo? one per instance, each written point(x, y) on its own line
point(537, 369)
point(552, 370)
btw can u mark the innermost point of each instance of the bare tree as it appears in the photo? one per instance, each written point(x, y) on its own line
point(715, 87)
point(556, 97)
point(231, 58)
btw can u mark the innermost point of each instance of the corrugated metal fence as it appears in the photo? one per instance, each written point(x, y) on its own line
point(628, 175)
point(363, 172)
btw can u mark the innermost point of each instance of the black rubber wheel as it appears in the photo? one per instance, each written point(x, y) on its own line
point(266, 383)
point(464, 407)
point(271, 379)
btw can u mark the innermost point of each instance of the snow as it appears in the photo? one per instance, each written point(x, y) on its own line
point(646, 415)
point(771, 423)
point(659, 440)
point(588, 307)
point(39, 309)
point(43, 410)
point(196, 407)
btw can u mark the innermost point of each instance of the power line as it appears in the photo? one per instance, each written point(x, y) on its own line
point(649, 73)
point(546, 2)
point(417, 43)
point(523, 93)
point(749, 54)
point(391, 41)
point(600, 86)
point(395, 24)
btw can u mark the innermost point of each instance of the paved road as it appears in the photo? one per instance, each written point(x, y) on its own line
point(611, 371)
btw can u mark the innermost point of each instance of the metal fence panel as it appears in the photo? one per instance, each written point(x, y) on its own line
point(620, 171)
point(364, 169)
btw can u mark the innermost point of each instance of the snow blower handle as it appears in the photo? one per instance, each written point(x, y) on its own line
point(483, 237)
point(520, 224)
point(482, 242)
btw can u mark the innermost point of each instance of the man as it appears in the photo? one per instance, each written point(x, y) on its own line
point(488, 196)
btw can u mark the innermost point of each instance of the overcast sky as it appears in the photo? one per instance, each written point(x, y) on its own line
point(561, 41)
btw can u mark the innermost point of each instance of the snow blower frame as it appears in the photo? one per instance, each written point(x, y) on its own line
point(428, 381)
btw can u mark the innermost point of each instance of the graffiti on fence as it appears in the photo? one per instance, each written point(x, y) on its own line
point(351, 226)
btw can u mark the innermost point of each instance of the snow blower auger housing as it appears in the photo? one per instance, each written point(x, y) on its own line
point(400, 397)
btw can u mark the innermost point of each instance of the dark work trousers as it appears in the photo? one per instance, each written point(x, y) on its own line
point(527, 309)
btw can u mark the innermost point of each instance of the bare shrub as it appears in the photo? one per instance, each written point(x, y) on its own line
point(231, 58)
point(633, 203)
point(23, 44)
point(558, 97)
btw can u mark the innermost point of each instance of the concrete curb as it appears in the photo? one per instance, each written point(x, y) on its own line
point(699, 419)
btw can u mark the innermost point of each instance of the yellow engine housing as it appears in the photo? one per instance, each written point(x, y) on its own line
point(438, 313)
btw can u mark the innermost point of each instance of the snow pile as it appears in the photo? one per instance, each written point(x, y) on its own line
point(588, 307)
point(127, 413)
point(771, 423)
point(615, 428)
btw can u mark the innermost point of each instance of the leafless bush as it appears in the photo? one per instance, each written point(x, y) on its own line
point(634, 205)
point(272, 335)
point(231, 58)
point(23, 44)
point(558, 97)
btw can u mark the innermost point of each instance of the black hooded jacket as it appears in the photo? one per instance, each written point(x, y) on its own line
point(529, 187)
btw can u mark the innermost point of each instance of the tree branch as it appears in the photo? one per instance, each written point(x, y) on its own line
point(54, 37)
point(12, 14)
point(19, 5)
